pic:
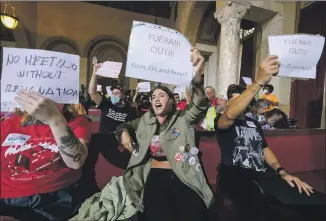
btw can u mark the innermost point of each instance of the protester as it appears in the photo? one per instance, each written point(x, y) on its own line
point(181, 105)
point(269, 97)
point(210, 94)
point(220, 104)
point(143, 105)
point(42, 153)
point(273, 117)
point(164, 179)
point(243, 175)
point(114, 111)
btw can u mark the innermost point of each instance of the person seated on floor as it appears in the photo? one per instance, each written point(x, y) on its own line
point(164, 179)
point(42, 152)
point(244, 150)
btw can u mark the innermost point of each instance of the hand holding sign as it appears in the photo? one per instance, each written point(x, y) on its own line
point(298, 54)
point(197, 60)
point(267, 69)
point(37, 106)
point(158, 54)
point(54, 75)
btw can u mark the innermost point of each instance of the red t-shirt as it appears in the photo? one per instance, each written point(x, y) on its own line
point(32, 164)
point(182, 105)
point(214, 102)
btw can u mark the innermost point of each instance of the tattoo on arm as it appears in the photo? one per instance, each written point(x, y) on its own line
point(70, 140)
point(71, 146)
point(75, 158)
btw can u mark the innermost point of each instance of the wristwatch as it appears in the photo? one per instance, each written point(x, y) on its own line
point(279, 170)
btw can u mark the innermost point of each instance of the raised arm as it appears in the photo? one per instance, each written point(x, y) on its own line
point(73, 150)
point(92, 88)
point(199, 103)
point(134, 99)
point(268, 68)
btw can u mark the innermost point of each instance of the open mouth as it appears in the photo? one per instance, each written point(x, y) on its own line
point(158, 106)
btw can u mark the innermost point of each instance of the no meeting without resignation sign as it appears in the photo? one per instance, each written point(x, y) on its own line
point(54, 75)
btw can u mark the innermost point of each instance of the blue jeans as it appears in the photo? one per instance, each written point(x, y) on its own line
point(58, 205)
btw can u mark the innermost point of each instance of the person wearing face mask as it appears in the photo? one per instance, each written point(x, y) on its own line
point(113, 111)
point(269, 97)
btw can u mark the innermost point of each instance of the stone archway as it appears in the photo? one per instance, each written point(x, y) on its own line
point(61, 44)
point(107, 48)
point(196, 19)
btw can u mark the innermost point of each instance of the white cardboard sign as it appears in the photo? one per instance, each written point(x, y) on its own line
point(109, 69)
point(247, 80)
point(108, 91)
point(54, 75)
point(144, 86)
point(98, 87)
point(298, 54)
point(158, 54)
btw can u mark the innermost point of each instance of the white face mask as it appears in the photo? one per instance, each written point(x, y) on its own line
point(265, 91)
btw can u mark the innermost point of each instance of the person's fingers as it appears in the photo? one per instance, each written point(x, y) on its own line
point(36, 96)
point(23, 102)
point(298, 184)
point(309, 188)
point(273, 62)
point(268, 58)
point(290, 183)
point(304, 188)
point(274, 67)
point(26, 95)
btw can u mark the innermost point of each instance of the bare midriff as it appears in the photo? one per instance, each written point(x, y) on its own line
point(161, 164)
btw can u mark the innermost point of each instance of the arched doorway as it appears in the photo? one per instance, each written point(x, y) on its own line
point(61, 44)
point(107, 49)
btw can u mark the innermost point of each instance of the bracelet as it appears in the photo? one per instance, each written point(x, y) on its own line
point(280, 169)
point(258, 83)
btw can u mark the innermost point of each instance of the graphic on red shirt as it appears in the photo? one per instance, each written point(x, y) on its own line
point(35, 166)
point(155, 147)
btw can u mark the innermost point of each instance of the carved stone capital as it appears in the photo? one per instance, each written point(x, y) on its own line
point(232, 9)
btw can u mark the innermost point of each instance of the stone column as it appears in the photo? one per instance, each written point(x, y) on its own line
point(229, 16)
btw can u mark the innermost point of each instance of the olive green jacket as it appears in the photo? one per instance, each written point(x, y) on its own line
point(177, 131)
point(123, 196)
